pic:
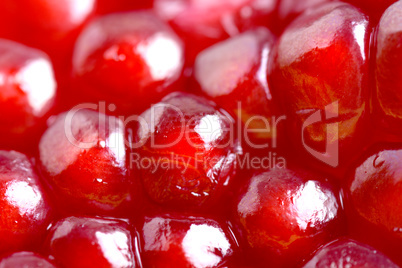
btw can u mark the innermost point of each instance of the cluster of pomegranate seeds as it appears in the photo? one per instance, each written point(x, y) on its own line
point(202, 23)
point(49, 25)
point(200, 133)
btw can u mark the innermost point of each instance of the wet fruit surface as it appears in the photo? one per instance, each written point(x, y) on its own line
point(288, 10)
point(349, 253)
point(189, 150)
point(285, 214)
point(83, 159)
point(320, 72)
point(203, 23)
point(27, 88)
point(232, 73)
point(25, 210)
point(25, 259)
point(129, 59)
point(49, 25)
point(187, 242)
point(374, 200)
point(200, 133)
point(389, 54)
point(91, 242)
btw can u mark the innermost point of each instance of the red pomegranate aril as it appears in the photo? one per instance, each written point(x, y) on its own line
point(25, 260)
point(320, 72)
point(346, 252)
point(27, 91)
point(202, 23)
point(129, 59)
point(50, 25)
point(187, 242)
point(388, 69)
point(92, 242)
point(285, 214)
point(374, 201)
point(25, 208)
point(82, 157)
point(185, 151)
point(233, 74)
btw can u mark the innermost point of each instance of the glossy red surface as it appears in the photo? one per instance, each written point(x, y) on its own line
point(128, 59)
point(27, 91)
point(83, 159)
point(374, 201)
point(25, 210)
point(388, 70)
point(25, 260)
point(91, 242)
point(107, 6)
point(50, 25)
point(319, 71)
point(187, 149)
point(349, 253)
point(187, 242)
point(374, 8)
point(233, 74)
point(288, 10)
point(285, 214)
point(202, 23)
